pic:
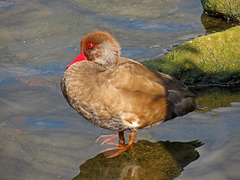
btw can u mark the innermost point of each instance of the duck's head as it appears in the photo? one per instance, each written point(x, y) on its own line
point(101, 48)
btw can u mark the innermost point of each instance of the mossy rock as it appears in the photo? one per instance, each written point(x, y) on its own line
point(210, 59)
point(228, 9)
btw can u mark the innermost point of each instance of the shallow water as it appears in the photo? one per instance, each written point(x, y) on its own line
point(41, 137)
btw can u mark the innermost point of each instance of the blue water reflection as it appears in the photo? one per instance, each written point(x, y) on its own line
point(45, 123)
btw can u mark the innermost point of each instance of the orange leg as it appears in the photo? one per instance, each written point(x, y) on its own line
point(118, 150)
point(121, 138)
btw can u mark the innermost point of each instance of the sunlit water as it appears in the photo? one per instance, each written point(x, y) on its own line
point(41, 137)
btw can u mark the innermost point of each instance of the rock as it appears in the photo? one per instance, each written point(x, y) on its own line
point(228, 9)
point(210, 59)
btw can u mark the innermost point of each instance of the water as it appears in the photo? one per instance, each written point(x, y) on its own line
point(43, 138)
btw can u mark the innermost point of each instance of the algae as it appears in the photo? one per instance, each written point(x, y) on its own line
point(210, 59)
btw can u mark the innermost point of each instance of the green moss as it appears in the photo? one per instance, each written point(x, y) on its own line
point(211, 59)
point(229, 9)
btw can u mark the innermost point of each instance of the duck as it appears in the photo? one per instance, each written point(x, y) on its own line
point(120, 94)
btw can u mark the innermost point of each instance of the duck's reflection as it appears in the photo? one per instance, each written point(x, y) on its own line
point(159, 160)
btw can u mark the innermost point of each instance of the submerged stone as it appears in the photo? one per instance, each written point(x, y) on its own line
point(210, 59)
point(228, 9)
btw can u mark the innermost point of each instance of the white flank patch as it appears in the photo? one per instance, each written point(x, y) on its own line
point(134, 123)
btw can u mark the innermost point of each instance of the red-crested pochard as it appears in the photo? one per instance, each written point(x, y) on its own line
point(120, 94)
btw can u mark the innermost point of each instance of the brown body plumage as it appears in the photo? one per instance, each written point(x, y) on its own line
point(118, 93)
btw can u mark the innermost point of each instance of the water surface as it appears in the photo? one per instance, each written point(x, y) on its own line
point(41, 137)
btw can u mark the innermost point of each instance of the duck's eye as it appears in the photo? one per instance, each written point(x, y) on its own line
point(90, 45)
